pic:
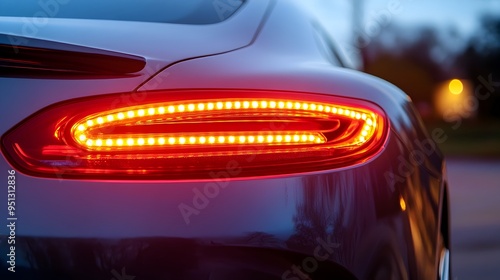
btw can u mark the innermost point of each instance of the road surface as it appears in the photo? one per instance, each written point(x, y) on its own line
point(475, 210)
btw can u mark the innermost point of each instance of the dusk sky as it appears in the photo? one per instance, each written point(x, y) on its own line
point(459, 15)
point(463, 14)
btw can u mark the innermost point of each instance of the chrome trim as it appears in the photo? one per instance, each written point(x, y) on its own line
point(444, 265)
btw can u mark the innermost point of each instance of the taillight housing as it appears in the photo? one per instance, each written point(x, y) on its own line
point(190, 134)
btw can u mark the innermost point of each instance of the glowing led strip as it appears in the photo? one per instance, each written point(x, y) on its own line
point(206, 140)
point(81, 135)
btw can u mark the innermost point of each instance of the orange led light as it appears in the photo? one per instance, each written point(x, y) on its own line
point(402, 203)
point(192, 140)
point(84, 131)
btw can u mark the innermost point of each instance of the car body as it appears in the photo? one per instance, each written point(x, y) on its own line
point(375, 212)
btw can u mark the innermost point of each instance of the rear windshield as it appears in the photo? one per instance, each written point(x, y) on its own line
point(166, 11)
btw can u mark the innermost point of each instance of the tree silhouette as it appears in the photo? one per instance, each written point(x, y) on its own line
point(405, 58)
point(482, 61)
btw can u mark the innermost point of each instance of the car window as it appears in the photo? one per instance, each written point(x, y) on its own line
point(165, 11)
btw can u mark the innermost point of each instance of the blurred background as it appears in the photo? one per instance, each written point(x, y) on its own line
point(446, 55)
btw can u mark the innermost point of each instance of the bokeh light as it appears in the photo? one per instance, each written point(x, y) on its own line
point(456, 86)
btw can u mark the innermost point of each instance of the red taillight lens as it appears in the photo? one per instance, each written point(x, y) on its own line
point(189, 134)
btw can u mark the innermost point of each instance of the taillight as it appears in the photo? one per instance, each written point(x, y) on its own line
point(187, 134)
